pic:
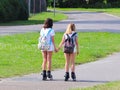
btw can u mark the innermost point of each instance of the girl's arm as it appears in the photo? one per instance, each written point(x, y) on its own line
point(77, 45)
point(54, 43)
point(61, 43)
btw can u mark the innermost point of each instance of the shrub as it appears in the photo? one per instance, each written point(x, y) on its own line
point(69, 3)
point(96, 4)
point(11, 10)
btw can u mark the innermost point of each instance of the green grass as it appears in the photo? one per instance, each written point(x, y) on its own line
point(19, 54)
point(114, 11)
point(37, 19)
point(108, 86)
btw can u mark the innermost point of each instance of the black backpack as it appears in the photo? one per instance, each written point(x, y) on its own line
point(69, 44)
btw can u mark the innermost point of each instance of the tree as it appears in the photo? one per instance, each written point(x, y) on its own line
point(11, 10)
point(70, 3)
point(43, 5)
point(96, 3)
point(113, 3)
point(38, 6)
point(49, 2)
point(84, 3)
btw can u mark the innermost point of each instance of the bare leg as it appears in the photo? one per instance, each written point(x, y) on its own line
point(49, 60)
point(44, 54)
point(67, 58)
point(72, 57)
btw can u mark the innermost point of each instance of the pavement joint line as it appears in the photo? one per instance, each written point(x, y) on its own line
point(112, 15)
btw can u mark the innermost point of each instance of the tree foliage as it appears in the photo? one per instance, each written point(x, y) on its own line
point(13, 10)
point(113, 3)
point(96, 3)
point(84, 3)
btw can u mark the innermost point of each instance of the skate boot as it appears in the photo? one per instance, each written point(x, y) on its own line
point(66, 76)
point(73, 76)
point(49, 75)
point(44, 76)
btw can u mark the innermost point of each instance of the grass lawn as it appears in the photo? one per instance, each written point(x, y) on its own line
point(108, 86)
point(19, 54)
point(37, 19)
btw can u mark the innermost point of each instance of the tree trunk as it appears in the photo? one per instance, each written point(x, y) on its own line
point(43, 5)
point(38, 6)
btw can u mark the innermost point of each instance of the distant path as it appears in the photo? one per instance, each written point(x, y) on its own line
point(85, 22)
point(91, 21)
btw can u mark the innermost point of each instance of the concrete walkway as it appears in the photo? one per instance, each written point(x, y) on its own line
point(90, 74)
point(85, 22)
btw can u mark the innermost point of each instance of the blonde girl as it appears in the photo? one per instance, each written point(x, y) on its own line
point(70, 57)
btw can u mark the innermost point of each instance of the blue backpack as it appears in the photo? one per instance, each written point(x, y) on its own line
point(43, 43)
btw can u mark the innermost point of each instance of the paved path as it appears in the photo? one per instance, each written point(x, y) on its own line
point(99, 72)
point(85, 21)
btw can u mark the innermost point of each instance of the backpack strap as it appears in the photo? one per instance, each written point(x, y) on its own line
point(68, 37)
point(49, 32)
point(50, 38)
point(73, 34)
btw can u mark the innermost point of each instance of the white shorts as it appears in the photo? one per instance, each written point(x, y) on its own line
point(75, 49)
point(51, 48)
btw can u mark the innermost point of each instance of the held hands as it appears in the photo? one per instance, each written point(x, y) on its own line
point(57, 49)
point(77, 52)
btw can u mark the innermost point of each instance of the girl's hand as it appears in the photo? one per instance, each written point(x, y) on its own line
point(77, 52)
point(56, 50)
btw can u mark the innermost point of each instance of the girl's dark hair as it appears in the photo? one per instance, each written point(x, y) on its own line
point(48, 23)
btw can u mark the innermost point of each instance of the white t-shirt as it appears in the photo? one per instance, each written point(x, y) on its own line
point(49, 36)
